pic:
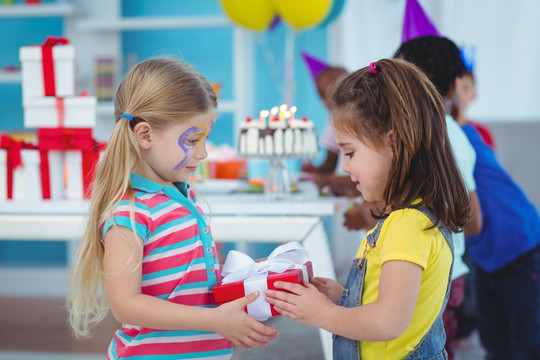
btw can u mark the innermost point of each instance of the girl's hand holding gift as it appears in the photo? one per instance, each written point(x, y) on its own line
point(236, 325)
point(332, 289)
point(303, 303)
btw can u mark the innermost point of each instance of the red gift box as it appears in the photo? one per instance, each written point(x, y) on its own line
point(232, 291)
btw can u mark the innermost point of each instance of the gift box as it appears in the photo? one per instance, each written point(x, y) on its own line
point(54, 112)
point(68, 160)
point(19, 169)
point(242, 276)
point(48, 69)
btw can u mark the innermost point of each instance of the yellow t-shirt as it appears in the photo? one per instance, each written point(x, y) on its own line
point(403, 237)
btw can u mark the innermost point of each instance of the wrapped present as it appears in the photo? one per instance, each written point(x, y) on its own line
point(48, 69)
point(19, 169)
point(68, 160)
point(242, 276)
point(54, 112)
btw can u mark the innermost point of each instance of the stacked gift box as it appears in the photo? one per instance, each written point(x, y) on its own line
point(61, 162)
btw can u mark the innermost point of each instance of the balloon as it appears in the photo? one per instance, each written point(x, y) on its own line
point(303, 13)
point(253, 14)
point(337, 7)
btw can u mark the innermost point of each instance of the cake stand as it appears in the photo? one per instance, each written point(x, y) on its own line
point(278, 185)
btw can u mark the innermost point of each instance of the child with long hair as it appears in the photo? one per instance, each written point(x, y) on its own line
point(440, 59)
point(148, 252)
point(389, 122)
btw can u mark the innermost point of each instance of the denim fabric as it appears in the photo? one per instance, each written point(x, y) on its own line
point(450, 320)
point(509, 308)
point(432, 344)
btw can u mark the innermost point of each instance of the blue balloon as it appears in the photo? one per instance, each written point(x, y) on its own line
point(334, 12)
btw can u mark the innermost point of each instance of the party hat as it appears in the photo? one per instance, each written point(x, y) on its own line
point(315, 65)
point(468, 56)
point(416, 23)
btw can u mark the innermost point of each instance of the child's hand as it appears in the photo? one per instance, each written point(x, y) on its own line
point(328, 287)
point(303, 303)
point(244, 331)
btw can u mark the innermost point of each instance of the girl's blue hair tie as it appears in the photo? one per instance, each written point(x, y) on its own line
point(126, 115)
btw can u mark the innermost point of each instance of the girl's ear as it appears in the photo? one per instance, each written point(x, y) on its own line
point(143, 132)
point(391, 138)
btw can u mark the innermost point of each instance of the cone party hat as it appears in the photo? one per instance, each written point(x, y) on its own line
point(315, 65)
point(416, 23)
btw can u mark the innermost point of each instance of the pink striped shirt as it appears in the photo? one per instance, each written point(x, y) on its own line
point(179, 264)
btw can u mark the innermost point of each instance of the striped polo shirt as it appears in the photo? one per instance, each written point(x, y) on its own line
point(179, 264)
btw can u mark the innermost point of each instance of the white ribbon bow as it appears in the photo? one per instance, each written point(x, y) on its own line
point(240, 267)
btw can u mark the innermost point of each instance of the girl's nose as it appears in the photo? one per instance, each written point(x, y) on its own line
point(201, 152)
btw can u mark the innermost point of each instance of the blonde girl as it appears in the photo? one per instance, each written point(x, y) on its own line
point(148, 252)
point(389, 122)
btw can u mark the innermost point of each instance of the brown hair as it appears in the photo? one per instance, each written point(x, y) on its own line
point(161, 92)
point(400, 98)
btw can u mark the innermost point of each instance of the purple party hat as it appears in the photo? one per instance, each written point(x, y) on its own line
point(315, 65)
point(416, 23)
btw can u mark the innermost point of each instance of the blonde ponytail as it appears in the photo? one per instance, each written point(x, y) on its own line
point(160, 92)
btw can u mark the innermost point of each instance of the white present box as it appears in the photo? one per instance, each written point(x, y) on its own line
point(53, 112)
point(74, 175)
point(66, 175)
point(27, 178)
point(60, 79)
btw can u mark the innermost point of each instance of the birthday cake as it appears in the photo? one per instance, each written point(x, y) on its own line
point(278, 133)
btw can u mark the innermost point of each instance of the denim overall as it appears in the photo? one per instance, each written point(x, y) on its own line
point(432, 344)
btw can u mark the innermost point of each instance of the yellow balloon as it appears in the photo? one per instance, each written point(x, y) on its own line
point(303, 13)
point(253, 14)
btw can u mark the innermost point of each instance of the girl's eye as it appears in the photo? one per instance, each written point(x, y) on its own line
point(349, 154)
point(192, 142)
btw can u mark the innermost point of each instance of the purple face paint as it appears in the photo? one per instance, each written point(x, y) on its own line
point(190, 146)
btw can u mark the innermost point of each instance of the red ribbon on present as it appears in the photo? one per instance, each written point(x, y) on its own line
point(64, 139)
point(14, 158)
point(47, 62)
point(90, 160)
point(60, 110)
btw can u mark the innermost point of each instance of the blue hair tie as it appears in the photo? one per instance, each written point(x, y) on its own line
point(126, 115)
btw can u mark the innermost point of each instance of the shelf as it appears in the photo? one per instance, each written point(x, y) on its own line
point(154, 23)
point(227, 106)
point(106, 108)
point(36, 10)
point(10, 77)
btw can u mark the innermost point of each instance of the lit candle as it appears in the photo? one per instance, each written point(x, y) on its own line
point(282, 110)
point(273, 112)
point(293, 110)
point(287, 115)
point(262, 116)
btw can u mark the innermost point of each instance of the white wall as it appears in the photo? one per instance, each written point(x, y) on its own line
point(504, 34)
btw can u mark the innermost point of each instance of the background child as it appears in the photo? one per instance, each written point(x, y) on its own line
point(389, 122)
point(441, 61)
point(506, 256)
point(148, 247)
point(466, 95)
point(324, 174)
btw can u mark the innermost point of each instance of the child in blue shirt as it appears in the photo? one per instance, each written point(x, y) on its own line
point(507, 258)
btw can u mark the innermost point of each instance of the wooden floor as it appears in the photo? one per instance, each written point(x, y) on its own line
point(36, 329)
point(29, 324)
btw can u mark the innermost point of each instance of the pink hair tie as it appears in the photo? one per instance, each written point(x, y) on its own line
point(372, 68)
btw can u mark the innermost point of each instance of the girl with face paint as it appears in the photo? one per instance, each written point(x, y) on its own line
point(148, 252)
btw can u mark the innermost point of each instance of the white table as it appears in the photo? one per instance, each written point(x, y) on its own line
point(235, 217)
